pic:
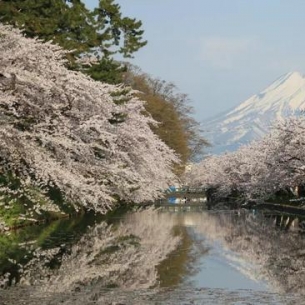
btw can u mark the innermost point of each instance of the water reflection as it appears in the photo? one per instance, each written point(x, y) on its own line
point(155, 257)
point(17, 247)
point(278, 256)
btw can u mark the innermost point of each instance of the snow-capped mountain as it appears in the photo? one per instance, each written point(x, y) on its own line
point(252, 118)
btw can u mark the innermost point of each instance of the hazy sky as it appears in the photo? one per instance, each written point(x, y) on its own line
point(219, 52)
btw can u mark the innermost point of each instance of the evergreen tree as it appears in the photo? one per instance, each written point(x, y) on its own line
point(102, 31)
point(106, 70)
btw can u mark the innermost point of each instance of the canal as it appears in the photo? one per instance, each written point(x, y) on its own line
point(154, 256)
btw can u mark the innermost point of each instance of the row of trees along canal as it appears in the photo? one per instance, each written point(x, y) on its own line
point(268, 173)
point(71, 143)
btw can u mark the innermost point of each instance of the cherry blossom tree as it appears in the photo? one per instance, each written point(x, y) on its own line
point(288, 157)
point(260, 169)
point(62, 130)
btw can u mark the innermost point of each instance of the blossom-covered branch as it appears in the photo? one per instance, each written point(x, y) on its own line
point(59, 129)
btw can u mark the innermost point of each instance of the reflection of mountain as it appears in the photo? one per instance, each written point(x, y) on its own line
point(256, 241)
point(123, 256)
point(251, 119)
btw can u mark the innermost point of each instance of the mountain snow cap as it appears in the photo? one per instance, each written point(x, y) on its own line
point(252, 118)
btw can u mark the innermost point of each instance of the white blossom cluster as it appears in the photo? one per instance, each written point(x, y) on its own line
point(261, 168)
point(58, 129)
point(3, 226)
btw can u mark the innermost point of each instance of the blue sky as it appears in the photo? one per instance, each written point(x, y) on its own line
point(219, 52)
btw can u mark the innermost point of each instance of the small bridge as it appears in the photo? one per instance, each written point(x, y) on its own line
point(182, 207)
point(185, 195)
point(183, 199)
point(185, 190)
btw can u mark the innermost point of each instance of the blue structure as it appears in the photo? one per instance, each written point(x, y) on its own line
point(172, 200)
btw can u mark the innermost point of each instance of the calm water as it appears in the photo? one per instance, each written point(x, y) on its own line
point(154, 257)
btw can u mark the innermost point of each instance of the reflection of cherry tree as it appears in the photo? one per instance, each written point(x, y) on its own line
point(125, 256)
point(60, 129)
point(261, 168)
point(278, 255)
